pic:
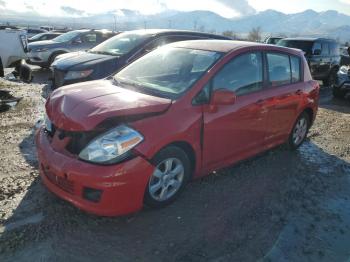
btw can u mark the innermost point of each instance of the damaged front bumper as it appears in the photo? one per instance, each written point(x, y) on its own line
point(102, 190)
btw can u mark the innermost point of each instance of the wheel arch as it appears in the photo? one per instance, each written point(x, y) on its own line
point(56, 53)
point(189, 151)
point(310, 112)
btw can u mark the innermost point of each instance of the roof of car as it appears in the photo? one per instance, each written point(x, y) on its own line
point(223, 46)
point(308, 39)
point(174, 31)
point(96, 30)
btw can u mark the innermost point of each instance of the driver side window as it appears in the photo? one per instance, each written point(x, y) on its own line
point(242, 75)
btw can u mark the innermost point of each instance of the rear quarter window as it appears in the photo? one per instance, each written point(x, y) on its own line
point(295, 63)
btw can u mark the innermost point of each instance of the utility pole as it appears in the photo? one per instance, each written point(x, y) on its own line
point(195, 25)
point(115, 22)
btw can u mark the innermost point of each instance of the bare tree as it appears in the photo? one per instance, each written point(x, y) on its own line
point(230, 34)
point(227, 33)
point(255, 34)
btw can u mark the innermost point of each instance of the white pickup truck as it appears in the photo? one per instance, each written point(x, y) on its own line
point(13, 47)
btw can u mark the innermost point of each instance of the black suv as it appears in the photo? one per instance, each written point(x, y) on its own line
point(115, 53)
point(322, 54)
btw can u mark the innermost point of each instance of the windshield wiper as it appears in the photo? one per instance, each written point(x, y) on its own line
point(138, 87)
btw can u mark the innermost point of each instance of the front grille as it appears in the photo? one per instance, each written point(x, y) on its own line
point(63, 183)
point(79, 140)
point(58, 77)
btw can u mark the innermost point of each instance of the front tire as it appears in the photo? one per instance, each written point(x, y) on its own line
point(172, 172)
point(299, 131)
point(331, 79)
point(337, 93)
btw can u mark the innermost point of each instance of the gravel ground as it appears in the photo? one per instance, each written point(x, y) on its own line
point(278, 206)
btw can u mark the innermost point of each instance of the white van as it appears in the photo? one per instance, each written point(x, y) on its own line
point(13, 47)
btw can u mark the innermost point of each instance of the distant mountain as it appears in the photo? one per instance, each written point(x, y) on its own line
point(309, 23)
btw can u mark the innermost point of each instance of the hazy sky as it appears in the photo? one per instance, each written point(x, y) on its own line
point(228, 8)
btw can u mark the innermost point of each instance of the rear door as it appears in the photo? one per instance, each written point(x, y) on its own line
point(233, 132)
point(284, 92)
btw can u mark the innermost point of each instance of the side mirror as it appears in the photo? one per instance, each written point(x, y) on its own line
point(223, 97)
point(317, 52)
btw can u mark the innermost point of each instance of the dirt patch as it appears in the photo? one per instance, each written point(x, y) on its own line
point(279, 206)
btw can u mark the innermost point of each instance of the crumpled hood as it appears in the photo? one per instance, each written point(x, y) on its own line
point(76, 59)
point(81, 107)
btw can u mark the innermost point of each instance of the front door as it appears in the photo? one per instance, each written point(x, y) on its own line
point(233, 132)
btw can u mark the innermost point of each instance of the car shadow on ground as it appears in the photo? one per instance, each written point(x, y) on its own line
point(327, 101)
point(279, 206)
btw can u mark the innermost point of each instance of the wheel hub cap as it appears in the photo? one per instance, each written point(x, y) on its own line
point(300, 131)
point(167, 179)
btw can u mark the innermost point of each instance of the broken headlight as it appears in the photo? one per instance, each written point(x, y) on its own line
point(111, 146)
point(78, 74)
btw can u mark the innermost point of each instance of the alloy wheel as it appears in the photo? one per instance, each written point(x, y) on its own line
point(300, 131)
point(167, 179)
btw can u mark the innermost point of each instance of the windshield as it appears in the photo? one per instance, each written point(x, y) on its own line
point(306, 46)
point(167, 71)
point(67, 36)
point(120, 44)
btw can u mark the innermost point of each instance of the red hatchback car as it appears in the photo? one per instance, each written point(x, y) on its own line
point(175, 114)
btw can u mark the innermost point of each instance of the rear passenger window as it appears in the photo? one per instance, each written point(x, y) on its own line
point(279, 69)
point(242, 75)
point(295, 66)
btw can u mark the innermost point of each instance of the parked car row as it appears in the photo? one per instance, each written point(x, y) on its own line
point(43, 53)
point(115, 53)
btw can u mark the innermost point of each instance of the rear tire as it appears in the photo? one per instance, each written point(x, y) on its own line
point(299, 131)
point(331, 79)
point(172, 172)
point(52, 58)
